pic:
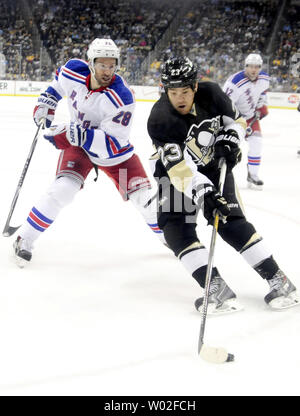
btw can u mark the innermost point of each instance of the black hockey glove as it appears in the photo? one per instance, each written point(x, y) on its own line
point(227, 146)
point(210, 201)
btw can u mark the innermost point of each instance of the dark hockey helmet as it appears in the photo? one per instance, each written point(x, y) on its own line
point(178, 72)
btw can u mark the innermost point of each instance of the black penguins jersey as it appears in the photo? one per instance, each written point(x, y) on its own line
point(185, 143)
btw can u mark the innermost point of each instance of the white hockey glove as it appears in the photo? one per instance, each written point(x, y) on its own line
point(64, 135)
point(45, 109)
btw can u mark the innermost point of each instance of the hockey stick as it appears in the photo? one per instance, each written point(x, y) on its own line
point(8, 229)
point(211, 354)
point(249, 128)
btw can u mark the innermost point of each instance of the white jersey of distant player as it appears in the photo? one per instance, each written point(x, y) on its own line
point(247, 95)
point(107, 110)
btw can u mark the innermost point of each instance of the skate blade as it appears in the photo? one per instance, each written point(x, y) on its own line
point(254, 187)
point(285, 302)
point(229, 306)
point(21, 263)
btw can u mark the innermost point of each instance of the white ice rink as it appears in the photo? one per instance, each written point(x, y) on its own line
point(104, 309)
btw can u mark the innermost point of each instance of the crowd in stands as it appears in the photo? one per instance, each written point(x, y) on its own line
point(287, 53)
point(218, 42)
point(16, 44)
point(68, 26)
point(19, 59)
point(216, 34)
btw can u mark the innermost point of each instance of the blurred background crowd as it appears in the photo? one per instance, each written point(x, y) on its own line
point(38, 36)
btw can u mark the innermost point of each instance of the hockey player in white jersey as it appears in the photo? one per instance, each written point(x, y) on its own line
point(101, 107)
point(247, 89)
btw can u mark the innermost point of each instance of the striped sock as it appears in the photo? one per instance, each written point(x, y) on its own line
point(38, 221)
point(155, 228)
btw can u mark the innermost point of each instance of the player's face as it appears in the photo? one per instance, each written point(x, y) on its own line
point(252, 71)
point(181, 99)
point(104, 70)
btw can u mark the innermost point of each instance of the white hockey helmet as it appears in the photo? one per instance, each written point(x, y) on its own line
point(103, 48)
point(254, 59)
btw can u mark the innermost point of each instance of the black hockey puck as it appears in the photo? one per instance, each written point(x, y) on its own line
point(230, 358)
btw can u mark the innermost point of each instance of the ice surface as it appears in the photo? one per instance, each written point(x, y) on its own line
point(104, 309)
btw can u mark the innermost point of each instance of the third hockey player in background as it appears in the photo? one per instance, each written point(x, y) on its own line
point(247, 89)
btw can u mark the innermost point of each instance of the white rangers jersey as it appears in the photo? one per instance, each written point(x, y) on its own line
point(107, 110)
point(247, 95)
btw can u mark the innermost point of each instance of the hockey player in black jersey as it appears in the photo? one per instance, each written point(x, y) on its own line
point(192, 126)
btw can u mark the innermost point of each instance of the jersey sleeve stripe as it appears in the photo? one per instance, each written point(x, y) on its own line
point(115, 141)
point(121, 91)
point(112, 145)
point(74, 74)
point(108, 95)
point(242, 82)
point(53, 92)
point(91, 153)
point(72, 78)
point(123, 151)
point(89, 141)
point(115, 151)
point(116, 97)
point(264, 77)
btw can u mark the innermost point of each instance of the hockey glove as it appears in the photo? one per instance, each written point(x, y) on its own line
point(64, 135)
point(45, 109)
point(227, 146)
point(210, 201)
point(261, 112)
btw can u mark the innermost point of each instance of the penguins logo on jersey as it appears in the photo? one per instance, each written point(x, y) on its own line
point(201, 138)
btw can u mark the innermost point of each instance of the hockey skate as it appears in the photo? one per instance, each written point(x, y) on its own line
point(22, 250)
point(282, 293)
point(254, 182)
point(221, 299)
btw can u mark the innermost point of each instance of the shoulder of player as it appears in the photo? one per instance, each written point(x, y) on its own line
point(76, 69)
point(208, 93)
point(165, 124)
point(161, 111)
point(208, 87)
point(121, 91)
point(238, 79)
point(263, 76)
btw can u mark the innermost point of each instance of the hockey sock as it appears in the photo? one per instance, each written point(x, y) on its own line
point(260, 257)
point(44, 212)
point(140, 200)
point(194, 258)
point(254, 153)
point(254, 250)
point(267, 268)
point(253, 165)
point(200, 275)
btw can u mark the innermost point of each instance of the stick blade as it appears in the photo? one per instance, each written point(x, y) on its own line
point(9, 231)
point(215, 355)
